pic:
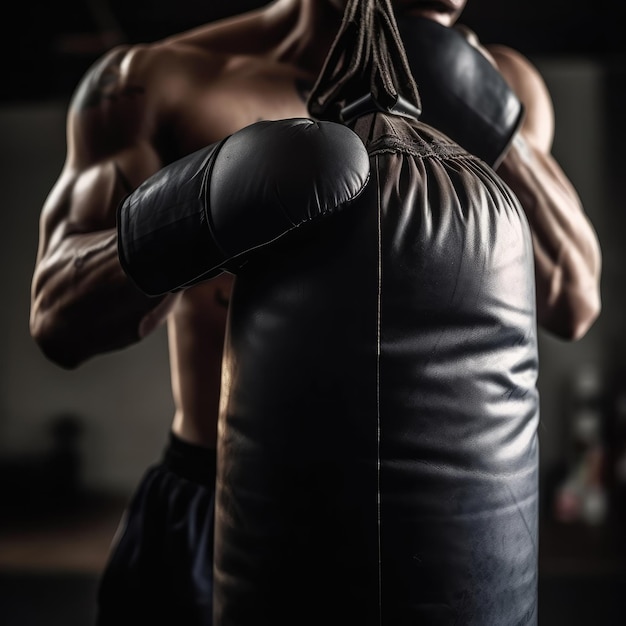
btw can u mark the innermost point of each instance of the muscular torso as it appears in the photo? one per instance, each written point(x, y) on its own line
point(144, 107)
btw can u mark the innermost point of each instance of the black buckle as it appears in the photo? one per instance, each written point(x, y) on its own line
point(368, 104)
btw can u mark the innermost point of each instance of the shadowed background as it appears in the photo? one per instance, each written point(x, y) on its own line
point(74, 444)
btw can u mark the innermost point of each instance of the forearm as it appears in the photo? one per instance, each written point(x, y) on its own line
point(567, 253)
point(82, 302)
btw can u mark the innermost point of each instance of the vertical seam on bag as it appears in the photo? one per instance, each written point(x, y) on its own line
point(378, 352)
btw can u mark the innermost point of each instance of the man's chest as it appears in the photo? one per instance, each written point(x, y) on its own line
point(221, 107)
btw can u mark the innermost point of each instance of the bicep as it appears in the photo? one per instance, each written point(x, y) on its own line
point(86, 196)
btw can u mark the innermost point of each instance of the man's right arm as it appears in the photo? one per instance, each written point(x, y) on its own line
point(82, 302)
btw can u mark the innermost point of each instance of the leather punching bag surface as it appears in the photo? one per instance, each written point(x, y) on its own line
point(377, 460)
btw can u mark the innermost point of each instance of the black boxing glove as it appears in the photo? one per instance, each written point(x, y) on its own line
point(207, 211)
point(462, 94)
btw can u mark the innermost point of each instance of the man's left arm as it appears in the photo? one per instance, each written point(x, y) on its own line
point(567, 252)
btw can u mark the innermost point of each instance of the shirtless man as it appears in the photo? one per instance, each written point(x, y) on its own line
point(142, 107)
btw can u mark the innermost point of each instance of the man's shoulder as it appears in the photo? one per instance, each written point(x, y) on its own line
point(511, 61)
point(527, 82)
point(204, 53)
point(520, 72)
point(152, 72)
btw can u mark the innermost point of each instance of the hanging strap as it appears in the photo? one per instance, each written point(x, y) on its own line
point(366, 68)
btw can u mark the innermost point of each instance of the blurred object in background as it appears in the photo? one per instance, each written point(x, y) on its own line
point(620, 461)
point(616, 435)
point(582, 496)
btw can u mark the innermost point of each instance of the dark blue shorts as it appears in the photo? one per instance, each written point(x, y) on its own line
point(160, 570)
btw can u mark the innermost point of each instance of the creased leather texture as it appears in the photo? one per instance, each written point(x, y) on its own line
point(377, 460)
point(210, 210)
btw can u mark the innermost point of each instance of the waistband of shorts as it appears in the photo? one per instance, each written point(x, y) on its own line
point(190, 461)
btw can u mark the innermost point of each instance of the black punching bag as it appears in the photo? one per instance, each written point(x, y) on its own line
point(377, 459)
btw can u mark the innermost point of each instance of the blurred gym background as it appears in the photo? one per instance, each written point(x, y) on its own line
point(74, 444)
